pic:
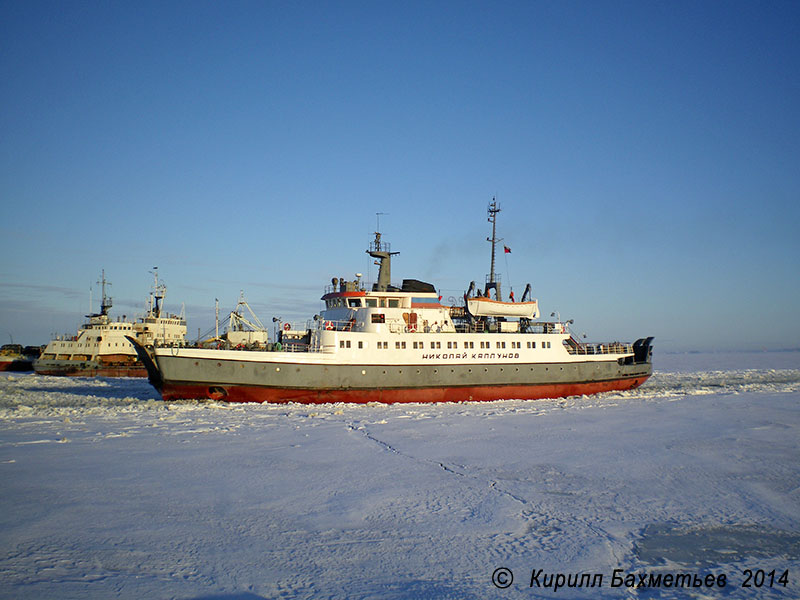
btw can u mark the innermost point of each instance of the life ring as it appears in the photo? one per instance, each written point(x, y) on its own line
point(286, 326)
point(329, 325)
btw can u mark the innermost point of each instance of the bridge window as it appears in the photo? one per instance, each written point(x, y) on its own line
point(372, 302)
point(354, 302)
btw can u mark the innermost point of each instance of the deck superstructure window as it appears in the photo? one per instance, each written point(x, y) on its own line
point(354, 302)
point(394, 303)
point(372, 302)
point(531, 344)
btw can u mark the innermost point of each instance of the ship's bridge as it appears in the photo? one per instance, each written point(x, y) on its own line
point(413, 307)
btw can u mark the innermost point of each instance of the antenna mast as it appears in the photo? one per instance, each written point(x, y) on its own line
point(157, 295)
point(106, 303)
point(381, 251)
point(493, 282)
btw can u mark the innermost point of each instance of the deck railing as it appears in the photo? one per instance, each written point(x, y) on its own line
point(573, 346)
point(295, 338)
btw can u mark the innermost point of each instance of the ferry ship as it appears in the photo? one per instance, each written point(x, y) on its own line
point(389, 343)
point(101, 347)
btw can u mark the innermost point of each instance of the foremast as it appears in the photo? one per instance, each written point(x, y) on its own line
point(106, 302)
point(156, 296)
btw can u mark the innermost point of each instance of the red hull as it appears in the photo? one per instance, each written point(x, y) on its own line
point(423, 395)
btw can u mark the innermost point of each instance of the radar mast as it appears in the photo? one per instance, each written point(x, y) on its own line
point(492, 280)
point(382, 251)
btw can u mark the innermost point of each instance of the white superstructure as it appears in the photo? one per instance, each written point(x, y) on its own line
point(101, 346)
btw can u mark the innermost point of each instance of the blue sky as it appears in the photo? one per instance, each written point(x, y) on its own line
point(646, 157)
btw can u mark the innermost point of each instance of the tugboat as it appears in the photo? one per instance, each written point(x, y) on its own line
point(101, 347)
point(389, 343)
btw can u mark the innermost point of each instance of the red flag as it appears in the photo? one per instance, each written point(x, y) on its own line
point(506, 249)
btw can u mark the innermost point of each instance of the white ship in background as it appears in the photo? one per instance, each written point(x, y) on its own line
point(101, 346)
point(400, 344)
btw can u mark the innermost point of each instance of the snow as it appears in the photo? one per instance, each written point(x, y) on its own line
point(108, 492)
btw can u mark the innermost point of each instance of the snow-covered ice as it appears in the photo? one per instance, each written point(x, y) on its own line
point(108, 492)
